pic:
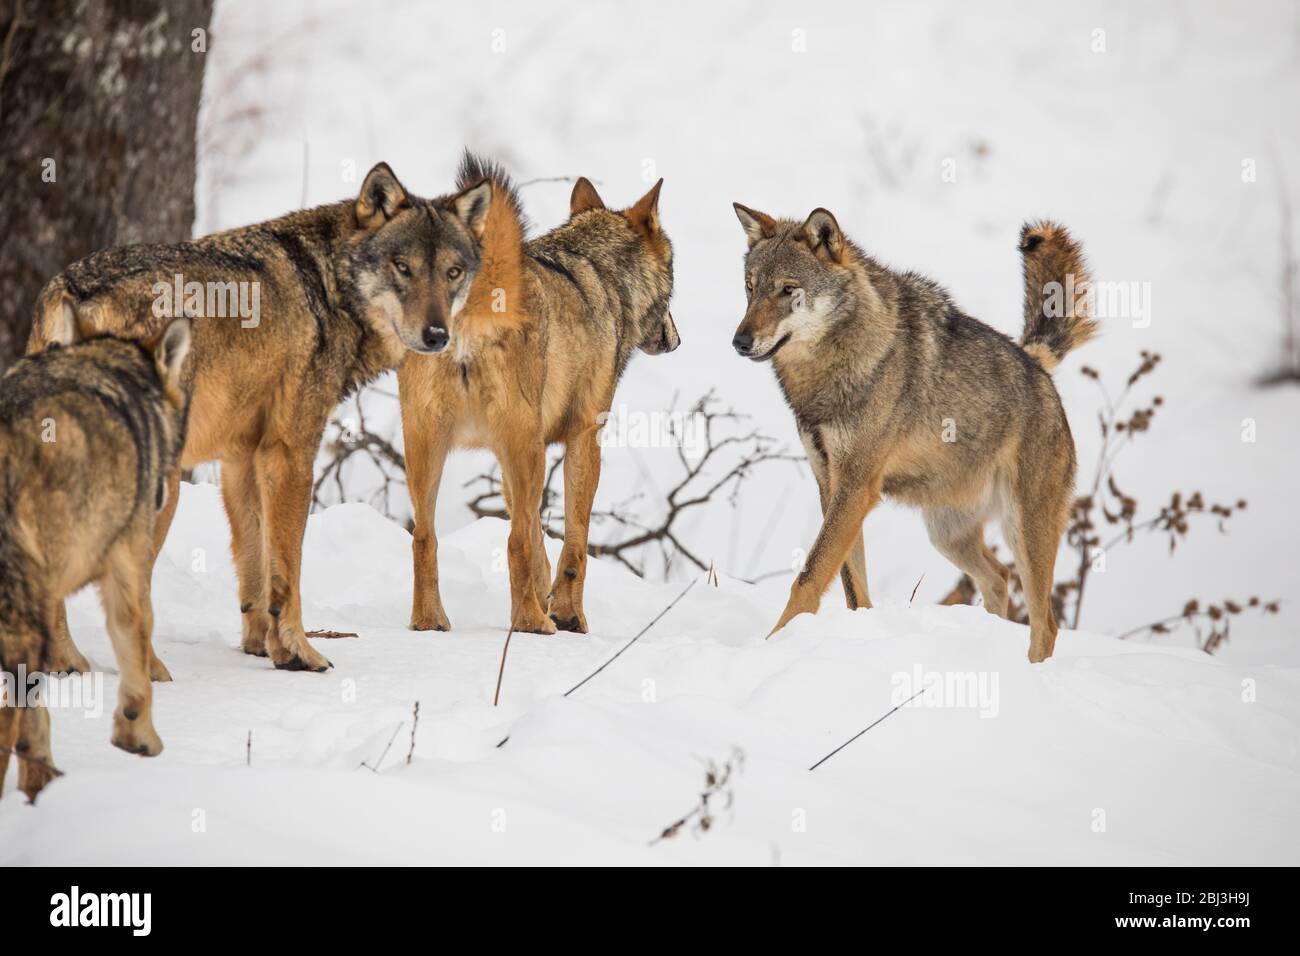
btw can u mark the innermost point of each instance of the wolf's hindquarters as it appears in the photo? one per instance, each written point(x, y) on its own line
point(1058, 301)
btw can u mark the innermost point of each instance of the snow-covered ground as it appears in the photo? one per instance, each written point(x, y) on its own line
point(1166, 142)
point(1109, 753)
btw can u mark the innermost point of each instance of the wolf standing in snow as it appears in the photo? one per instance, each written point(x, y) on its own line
point(89, 433)
point(896, 391)
point(343, 292)
point(537, 352)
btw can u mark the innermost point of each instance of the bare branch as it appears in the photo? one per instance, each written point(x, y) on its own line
point(692, 490)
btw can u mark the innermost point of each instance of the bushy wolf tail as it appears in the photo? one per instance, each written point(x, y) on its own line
point(1058, 307)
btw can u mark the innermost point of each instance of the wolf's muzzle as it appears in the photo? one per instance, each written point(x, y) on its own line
point(742, 343)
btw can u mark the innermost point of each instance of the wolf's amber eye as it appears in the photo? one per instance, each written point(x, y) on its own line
point(402, 268)
point(454, 273)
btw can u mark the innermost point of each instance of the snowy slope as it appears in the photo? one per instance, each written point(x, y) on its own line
point(1160, 741)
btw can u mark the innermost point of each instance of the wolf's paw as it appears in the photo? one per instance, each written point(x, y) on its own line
point(1039, 653)
point(533, 622)
point(306, 658)
point(576, 622)
point(158, 672)
point(435, 620)
point(136, 735)
point(254, 638)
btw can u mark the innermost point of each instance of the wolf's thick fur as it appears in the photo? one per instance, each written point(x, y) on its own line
point(346, 290)
point(89, 433)
point(895, 391)
point(537, 352)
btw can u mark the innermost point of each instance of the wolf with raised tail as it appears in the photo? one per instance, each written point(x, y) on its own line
point(897, 392)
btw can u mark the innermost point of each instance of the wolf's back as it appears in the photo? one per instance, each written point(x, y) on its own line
point(1058, 314)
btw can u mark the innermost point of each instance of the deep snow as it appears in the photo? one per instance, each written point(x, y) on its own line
point(1160, 741)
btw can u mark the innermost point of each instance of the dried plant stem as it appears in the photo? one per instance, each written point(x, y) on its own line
point(501, 672)
point(415, 723)
point(693, 490)
point(331, 635)
point(717, 781)
point(380, 761)
point(639, 634)
point(865, 729)
point(915, 589)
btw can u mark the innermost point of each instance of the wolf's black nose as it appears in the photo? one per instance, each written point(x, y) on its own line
point(743, 342)
point(435, 338)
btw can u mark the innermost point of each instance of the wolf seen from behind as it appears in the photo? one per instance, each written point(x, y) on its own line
point(90, 431)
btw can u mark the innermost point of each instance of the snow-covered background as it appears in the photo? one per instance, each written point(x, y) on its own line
point(1136, 137)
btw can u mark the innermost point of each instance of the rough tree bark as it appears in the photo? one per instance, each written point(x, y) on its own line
point(98, 105)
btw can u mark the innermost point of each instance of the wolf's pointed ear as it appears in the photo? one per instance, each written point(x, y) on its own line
point(757, 225)
point(471, 207)
point(169, 351)
point(822, 233)
point(644, 216)
point(381, 197)
point(584, 197)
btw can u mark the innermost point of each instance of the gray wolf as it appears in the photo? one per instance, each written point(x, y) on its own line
point(90, 430)
point(344, 292)
point(549, 327)
point(895, 391)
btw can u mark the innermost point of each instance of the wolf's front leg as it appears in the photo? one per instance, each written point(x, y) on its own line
point(523, 468)
point(284, 478)
point(427, 438)
point(846, 509)
point(581, 476)
point(853, 573)
point(243, 503)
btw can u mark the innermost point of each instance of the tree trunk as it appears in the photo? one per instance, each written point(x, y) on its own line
point(98, 105)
